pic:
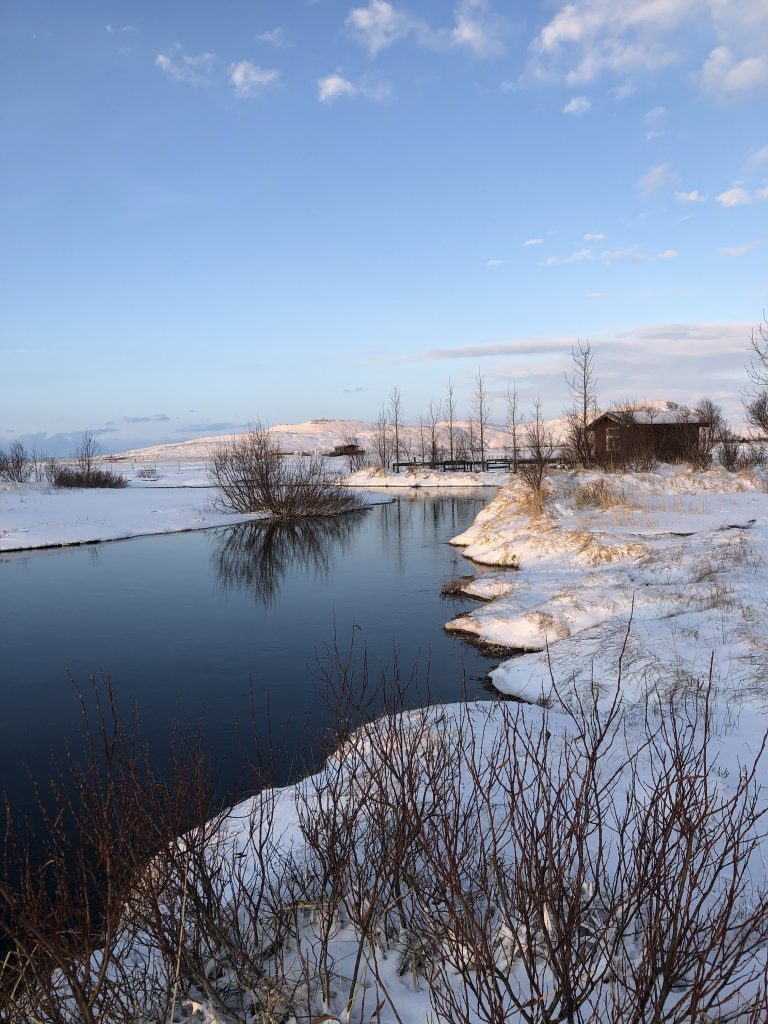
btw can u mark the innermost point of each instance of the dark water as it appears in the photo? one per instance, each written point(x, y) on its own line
point(225, 631)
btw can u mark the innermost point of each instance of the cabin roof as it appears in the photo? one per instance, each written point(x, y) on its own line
point(652, 418)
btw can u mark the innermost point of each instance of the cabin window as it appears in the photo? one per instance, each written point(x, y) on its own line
point(611, 439)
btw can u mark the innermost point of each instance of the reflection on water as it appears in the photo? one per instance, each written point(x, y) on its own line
point(221, 631)
point(257, 557)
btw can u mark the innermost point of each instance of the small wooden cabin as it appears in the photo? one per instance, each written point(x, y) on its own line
point(345, 449)
point(624, 436)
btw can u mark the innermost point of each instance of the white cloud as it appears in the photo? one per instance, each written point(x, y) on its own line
point(477, 29)
point(577, 106)
point(597, 236)
point(248, 79)
point(654, 114)
point(668, 254)
point(551, 261)
point(759, 158)
point(739, 250)
point(534, 241)
point(657, 177)
point(495, 263)
point(189, 69)
point(588, 38)
point(275, 37)
point(629, 255)
point(580, 256)
point(624, 91)
point(725, 77)
point(734, 197)
point(118, 30)
point(653, 134)
point(336, 86)
point(690, 197)
point(381, 24)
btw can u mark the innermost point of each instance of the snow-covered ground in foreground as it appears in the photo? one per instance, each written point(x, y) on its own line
point(682, 555)
point(430, 870)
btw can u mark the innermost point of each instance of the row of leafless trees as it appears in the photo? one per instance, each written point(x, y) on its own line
point(502, 863)
point(82, 469)
point(440, 437)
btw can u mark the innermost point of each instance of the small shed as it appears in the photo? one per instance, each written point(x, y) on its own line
point(623, 436)
point(345, 449)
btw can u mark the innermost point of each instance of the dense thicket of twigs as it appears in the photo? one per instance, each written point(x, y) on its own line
point(503, 864)
point(251, 474)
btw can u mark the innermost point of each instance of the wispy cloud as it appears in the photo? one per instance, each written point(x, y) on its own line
point(727, 78)
point(578, 106)
point(380, 24)
point(739, 250)
point(629, 255)
point(586, 39)
point(336, 86)
point(690, 197)
point(533, 241)
point(119, 30)
point(759, 158)
point(580, 256)
point(596, 236)
point(741, 196)
point(654, 114)
point(656, 178)
point(668, 254)
point(248, 79)
point(191, 69)
point(275, 37)
point(495, 263)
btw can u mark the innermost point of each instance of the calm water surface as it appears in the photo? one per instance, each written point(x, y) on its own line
point(222, 631)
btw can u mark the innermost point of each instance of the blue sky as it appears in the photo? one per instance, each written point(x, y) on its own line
point(218, 212)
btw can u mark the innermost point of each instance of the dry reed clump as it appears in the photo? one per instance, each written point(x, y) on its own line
point(455, 586)
point(532, 502)
point(599, 494)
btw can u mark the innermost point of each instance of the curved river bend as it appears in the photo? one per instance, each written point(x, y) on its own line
point(224, 631)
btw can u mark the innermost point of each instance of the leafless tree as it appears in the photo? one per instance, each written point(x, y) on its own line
point(514, 422)
point(582, 384)
point(706, 430)
point(396, 419)
point(17, 465)
point(450, 420)
point(756, 404)
point(382, 439)
point(86, 456)
point(251, 474)
point(540, 450)
point(433, 427)
point(480, 414)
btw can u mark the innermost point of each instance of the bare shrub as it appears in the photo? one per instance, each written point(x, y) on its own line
point(540, 448)
point(515, 863)
point(60, 475)
point(147, 473)
point(17, 465)
point(355, 456)
point(251, 474)
point(598, 494)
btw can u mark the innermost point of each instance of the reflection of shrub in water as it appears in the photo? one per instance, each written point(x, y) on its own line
point(256, 557)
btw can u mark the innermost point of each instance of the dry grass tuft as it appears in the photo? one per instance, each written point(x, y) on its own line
point(455, 586)
point(599, 494)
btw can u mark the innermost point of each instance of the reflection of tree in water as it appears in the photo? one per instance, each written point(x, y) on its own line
point(256, 557)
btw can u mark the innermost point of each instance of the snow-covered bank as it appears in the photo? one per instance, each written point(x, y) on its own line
point(683, 555)
point(415, 476)
point(178, 498)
